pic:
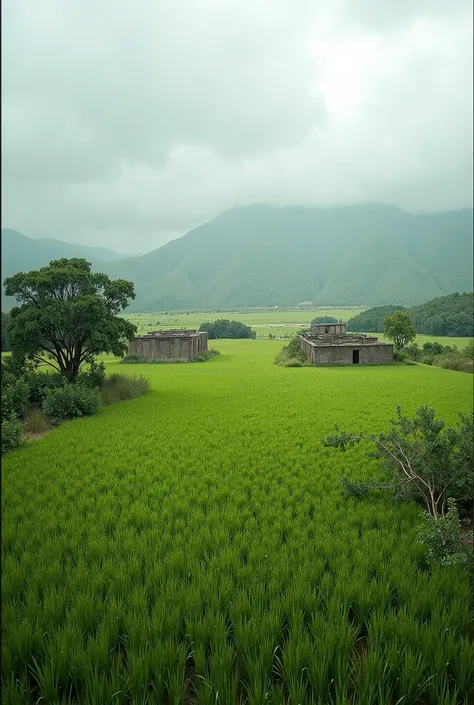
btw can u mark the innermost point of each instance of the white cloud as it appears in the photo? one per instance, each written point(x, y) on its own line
point(124, 124)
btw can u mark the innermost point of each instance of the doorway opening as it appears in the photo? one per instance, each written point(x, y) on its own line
point(355, 357)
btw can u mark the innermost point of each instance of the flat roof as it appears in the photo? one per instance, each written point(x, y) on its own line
point(364, 342)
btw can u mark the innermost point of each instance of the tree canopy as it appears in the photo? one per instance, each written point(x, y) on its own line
point(5, 343)
point(398, 327)
point(223, 328)
point(323, 319)
point(68, 315)
point(445, 315)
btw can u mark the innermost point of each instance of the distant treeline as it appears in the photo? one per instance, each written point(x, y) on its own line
point(447, 315)
point(223, 328)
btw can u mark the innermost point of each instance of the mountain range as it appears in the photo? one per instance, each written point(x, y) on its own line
point(364, 255)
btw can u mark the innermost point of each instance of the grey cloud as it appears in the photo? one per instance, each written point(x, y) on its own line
point(129, 123)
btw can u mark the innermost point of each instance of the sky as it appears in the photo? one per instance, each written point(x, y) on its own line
point(126, 124)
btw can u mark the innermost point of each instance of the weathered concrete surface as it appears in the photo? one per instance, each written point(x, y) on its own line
point(341, 349)
point(169, 345)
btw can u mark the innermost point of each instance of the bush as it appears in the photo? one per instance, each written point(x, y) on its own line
point(423, 460)
point(323, 319)
point(205, 355)
point(11, 434)
point(93, 377)
point(14, 396)
point(223, 328)
point(443, 539)
point(292, 355)
point(36, 422)
point(38, 382)
point(69, 402)
point(120, 387)
point(454, 361)
point(400, 356)
point(131, 359)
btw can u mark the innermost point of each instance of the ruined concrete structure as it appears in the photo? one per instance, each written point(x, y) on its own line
point(168, 345)
point(329, 344)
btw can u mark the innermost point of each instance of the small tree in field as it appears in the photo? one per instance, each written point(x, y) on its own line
point(422, 460)
point(68, 315)
point(398, 327)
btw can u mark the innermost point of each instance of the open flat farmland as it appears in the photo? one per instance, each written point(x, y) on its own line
point(265, 323)
point(194, 546)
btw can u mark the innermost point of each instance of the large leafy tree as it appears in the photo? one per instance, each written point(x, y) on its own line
point(398, 327)
point(5, 343)
point(68, 315)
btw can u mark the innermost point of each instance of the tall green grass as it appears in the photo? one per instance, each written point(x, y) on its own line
point(193, 545)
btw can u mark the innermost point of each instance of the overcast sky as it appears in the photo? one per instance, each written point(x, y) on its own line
point(126, 123)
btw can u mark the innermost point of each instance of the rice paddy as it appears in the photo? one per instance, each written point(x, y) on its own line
point(194, 546)
point(278, 323)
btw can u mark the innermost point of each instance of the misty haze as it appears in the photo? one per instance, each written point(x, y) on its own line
point(237, 352)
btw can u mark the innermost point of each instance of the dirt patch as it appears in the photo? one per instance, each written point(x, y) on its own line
point(30, 437)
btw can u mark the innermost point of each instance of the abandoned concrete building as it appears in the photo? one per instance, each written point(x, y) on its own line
point(168, 345)
point(329, 344)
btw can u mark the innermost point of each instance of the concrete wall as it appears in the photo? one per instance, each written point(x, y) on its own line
point(173, 347)
point(329, 328)
point(369, 354)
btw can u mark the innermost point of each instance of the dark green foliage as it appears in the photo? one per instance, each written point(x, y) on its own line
point(451, 315)
point(446, 356)
point(93, 377)
point(371, 320)
point(69, 402)
point(120, 387)
point(398, 327)
point(400, 356)
point(205, 355)
point(39, 381)
point(131, 359)
point(421, 458)
point(425, 461)
point(447, 315)
point(14, 394)
point(323, 319)
point(11, 433)
point(292, 355)
point(223, 328)
point(5, 344)
point(68, 315)
point(442, 538)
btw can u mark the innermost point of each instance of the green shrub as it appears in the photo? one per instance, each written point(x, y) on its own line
point(120, 387)
point(131, 359)
point(70, 402)
point(36, 422)
point(400, 356)
point(94, 376)
point(38, 382)
point(14, 396)
point(442, 538)
point(205, 355)
point(423, 460)
point(11, 433)
point(454, 361)
point(292, 354)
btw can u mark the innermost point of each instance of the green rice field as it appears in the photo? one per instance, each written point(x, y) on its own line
point(194, 546)
point(276, 323)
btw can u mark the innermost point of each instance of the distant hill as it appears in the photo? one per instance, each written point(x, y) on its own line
point(21, 253)
point(359, 255)
point(446, 315)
